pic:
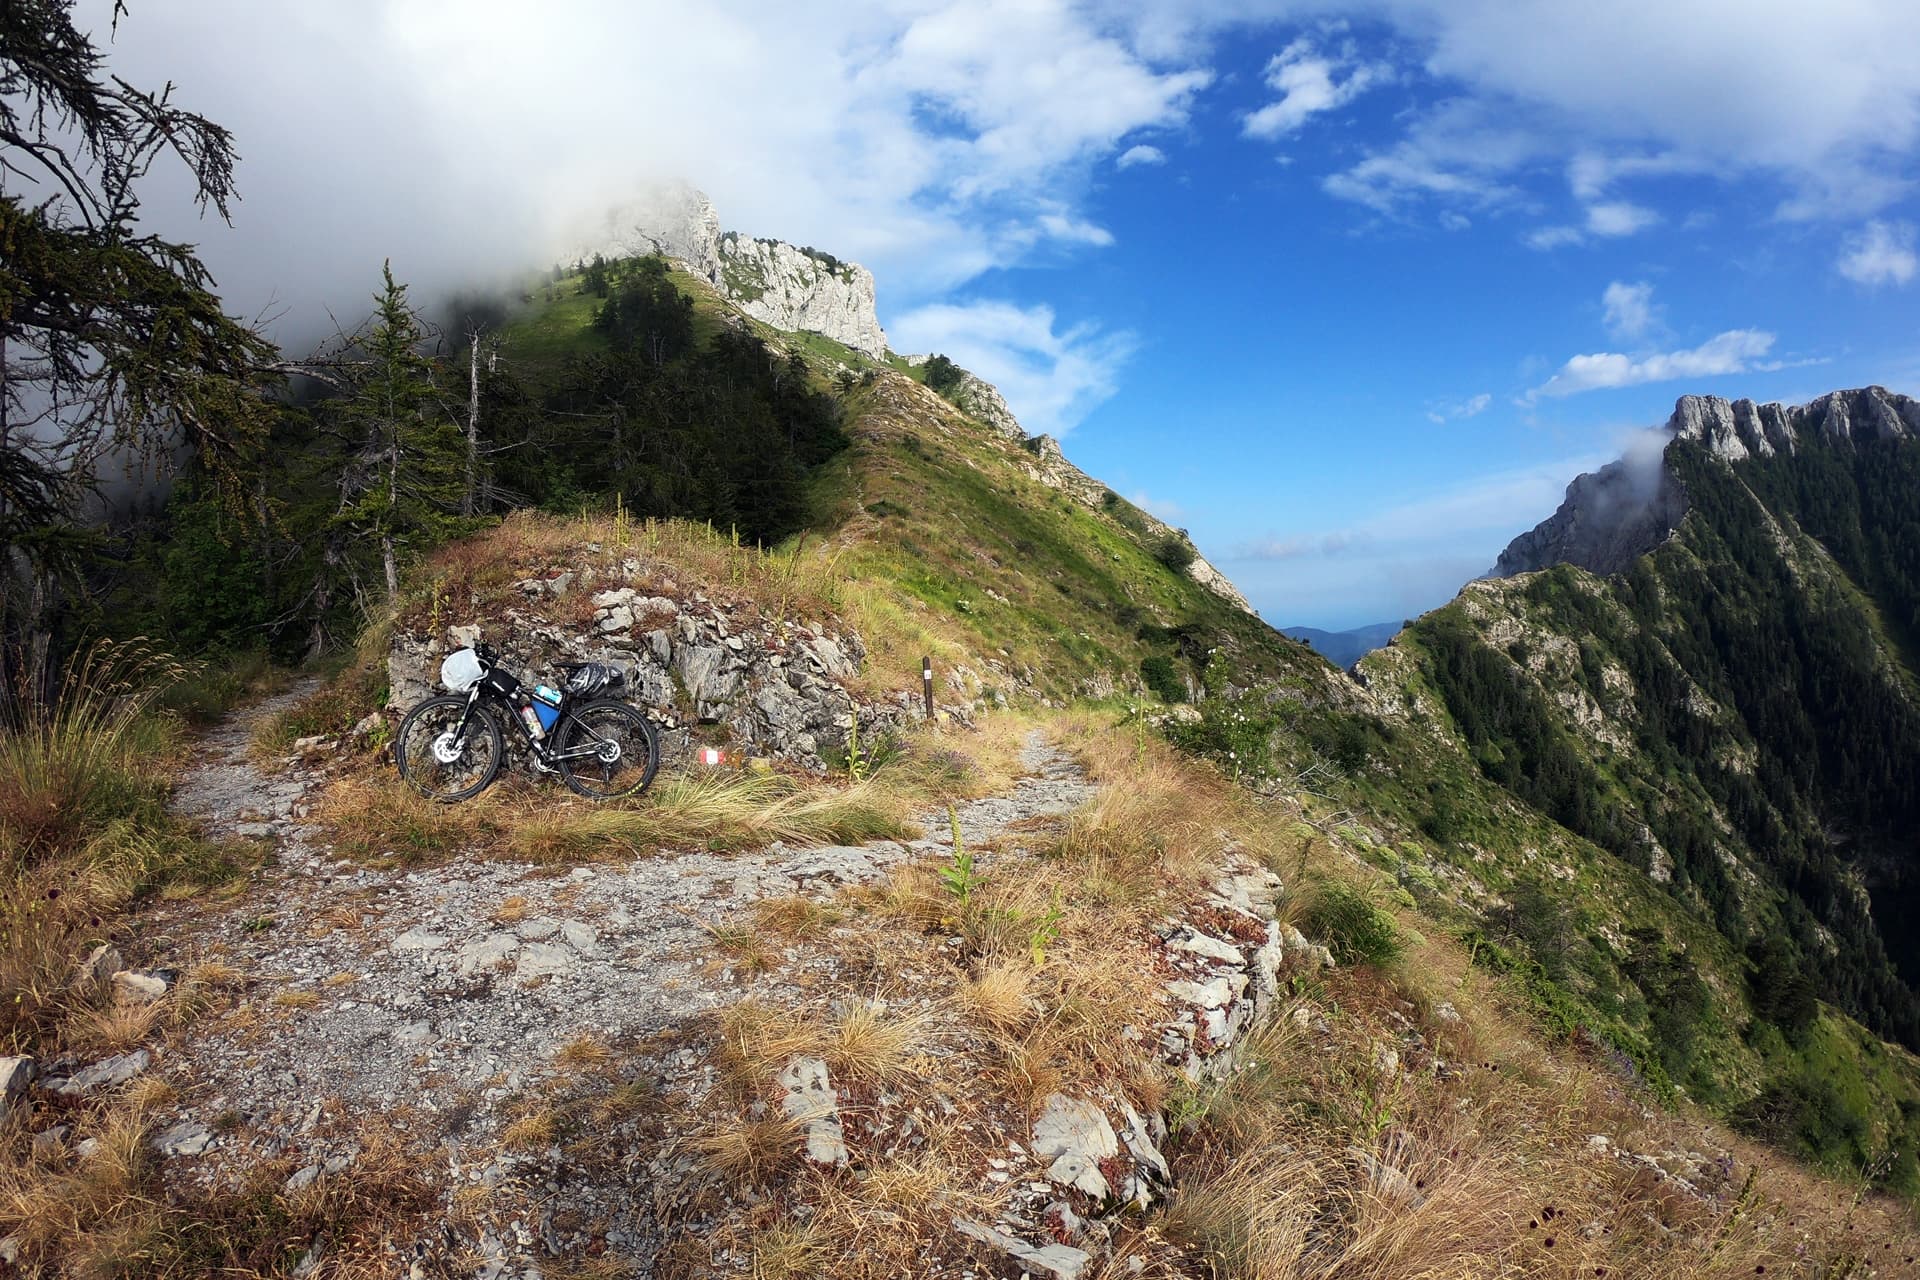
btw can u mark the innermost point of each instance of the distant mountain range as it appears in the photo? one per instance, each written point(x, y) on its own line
point(1344, 648)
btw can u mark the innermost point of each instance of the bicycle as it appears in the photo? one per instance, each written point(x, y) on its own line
point(451, 746)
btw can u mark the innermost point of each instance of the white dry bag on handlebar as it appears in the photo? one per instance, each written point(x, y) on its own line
point(460, 670)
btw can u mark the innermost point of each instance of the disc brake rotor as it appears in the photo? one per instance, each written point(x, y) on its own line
point(447, 749)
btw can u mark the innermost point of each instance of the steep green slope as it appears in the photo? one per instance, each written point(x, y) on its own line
point(1730, 727)
point(1030, 575)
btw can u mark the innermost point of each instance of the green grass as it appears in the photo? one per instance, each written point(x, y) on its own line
point(85, 834)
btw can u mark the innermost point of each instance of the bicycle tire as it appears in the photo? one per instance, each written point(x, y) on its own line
point(601, 779)
point(413, 750)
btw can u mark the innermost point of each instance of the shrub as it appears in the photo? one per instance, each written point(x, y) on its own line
point(1175, 552)
point(1237, 736)
point(942, 374)
point(1350, 924)
point(1158, 674)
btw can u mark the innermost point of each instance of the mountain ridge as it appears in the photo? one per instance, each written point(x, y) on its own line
point(1612, 516)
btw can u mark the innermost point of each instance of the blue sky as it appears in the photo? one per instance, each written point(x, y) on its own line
point(1348, 290)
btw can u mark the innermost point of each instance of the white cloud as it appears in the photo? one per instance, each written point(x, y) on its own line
point(1591, 173)
point(1308, 83)
point(1637, 89)
point(1051, 378)
point(1628, 310)
point(1879, 253)
point(1141, 154)
point(1064, 227)
point(1468, 408)
point(1300, 546)
point(1553, 237)
point(1459, 153)
point(930, 140)
point(1619, 218)
point(1452, 221)
point(1735, 351)
point(1609, 219)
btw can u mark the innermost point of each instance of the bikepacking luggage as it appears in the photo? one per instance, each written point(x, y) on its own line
point(451, 746)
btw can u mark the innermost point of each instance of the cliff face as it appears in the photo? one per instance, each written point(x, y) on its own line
point(1613, 516)
point(774, 282)
point(1740, 429)
point(1609, 518)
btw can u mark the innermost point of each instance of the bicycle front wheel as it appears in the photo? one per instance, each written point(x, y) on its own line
point(441, 762)
point(606, 750)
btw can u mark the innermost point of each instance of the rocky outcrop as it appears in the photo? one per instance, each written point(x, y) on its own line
point(982, 400)
point(1609, 519)
point(1740, 429)
point(773, 688)
point(1613, 516)
point(797, 290)
point(801, 291)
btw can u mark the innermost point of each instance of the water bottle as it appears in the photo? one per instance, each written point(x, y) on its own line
point(532, 721)
point(546, 705)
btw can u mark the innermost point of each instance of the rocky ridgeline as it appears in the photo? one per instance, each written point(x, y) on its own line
point(775, 687)
point(1740, 428)
point(1612, 516)
point(776, 283)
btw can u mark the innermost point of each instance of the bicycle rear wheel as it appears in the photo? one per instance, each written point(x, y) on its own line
point(438, 761)
point(625, 751)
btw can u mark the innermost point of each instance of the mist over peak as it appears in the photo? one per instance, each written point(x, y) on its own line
point(1618, 513)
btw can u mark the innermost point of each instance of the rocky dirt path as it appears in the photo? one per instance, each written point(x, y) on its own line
point(434, 1001)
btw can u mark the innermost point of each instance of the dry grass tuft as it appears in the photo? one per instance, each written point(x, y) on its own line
point(109, 1215)
point(871, 1040)
point(799, 918)
point(997, 996)
point(747, 1151)
point(743, 944)
point(586, 1052)
point(295, 999)
point(756, 1042)
point(534, 1131)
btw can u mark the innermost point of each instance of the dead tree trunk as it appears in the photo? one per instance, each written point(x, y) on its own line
point(467, 495)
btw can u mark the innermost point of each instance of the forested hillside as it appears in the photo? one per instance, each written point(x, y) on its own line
point(1734, 720)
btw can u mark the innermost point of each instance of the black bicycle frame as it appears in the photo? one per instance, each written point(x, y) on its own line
point(477, 694)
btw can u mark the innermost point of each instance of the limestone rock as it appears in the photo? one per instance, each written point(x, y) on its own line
point(1076, 1135)
point(1061, 1261)
point(103, 962)
point(1613, 516)
point(982, 400)
point(131, 987)
point(776, 283)
point(16, 1073)
point(812, 1103)
point(186, 1138)
point(106, 1073)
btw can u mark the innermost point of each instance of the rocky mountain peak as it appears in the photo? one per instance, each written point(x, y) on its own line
point(1618, 513)
point(1609, 518)
point(796, 289)
point(1740, 429)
